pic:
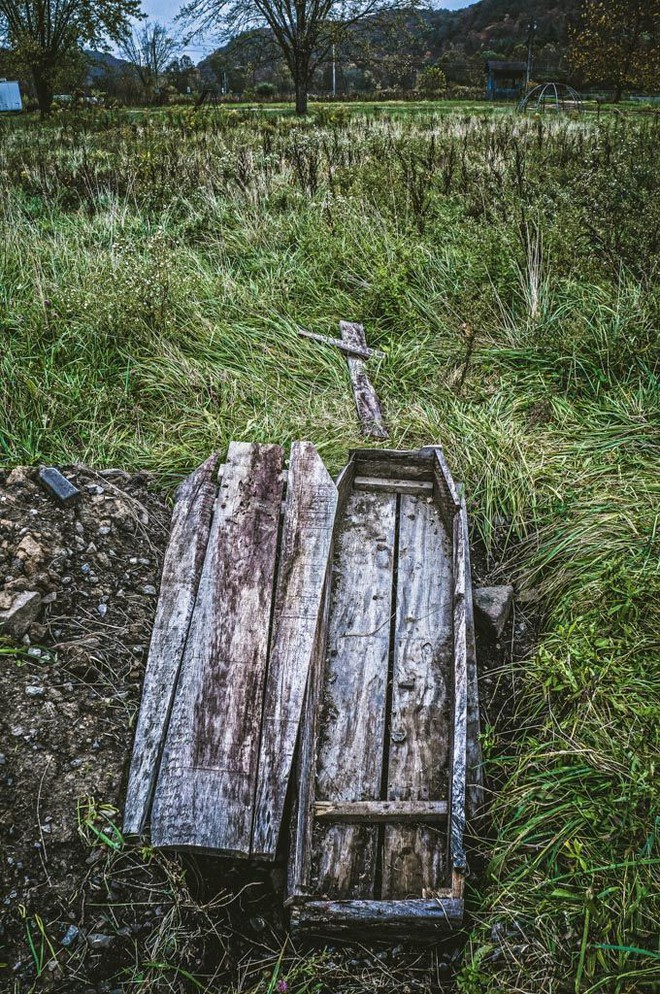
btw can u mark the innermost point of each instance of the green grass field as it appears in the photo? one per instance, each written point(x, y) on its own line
point(154, 269)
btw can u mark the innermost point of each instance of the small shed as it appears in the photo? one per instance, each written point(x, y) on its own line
point(506, 80)
point(10, 95)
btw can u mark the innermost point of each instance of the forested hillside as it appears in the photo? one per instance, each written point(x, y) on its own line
point(387, 54)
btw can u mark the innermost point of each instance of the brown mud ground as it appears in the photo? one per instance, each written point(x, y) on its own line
point(81, 910)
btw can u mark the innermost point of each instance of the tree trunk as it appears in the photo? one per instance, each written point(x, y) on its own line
point(301, 97)
point(44, 89)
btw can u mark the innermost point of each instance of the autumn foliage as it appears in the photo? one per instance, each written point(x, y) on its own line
point(617, 43)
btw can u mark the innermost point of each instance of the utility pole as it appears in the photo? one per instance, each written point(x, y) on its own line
point(530, 53)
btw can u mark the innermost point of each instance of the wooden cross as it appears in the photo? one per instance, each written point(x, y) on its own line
point(354, 344)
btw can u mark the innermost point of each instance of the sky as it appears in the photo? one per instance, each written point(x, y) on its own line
point(165, 11)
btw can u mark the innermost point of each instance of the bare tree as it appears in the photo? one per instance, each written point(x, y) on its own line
point(45, 34)
point(150, 50)
point(305, 30)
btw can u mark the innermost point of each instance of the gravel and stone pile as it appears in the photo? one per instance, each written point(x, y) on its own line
point(78, 591)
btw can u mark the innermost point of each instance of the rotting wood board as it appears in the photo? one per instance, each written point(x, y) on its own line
point(182, 566)
point(351, 752)
point(309, 515)
point(354, 350)
point(205, 792)
point(420, 722)
point(366, 398)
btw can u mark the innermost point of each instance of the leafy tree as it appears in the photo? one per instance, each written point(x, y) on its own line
point(45, 34)
point(618, 42)
point(149, 49)
point(265, 90)
point(304, 30)
point(181, 73)
point(432, 82)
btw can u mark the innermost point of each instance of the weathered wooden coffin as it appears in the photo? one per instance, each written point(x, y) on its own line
point(323, 628)
point(390, 726)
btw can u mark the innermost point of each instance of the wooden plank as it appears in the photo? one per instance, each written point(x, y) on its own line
point(205, 792)
point(353, 721)
point(459, 754)
point(366, 399)
point(311, 502)
point(381, 811)
point(475, 783)
point(182, 567)
point(414, 857)
point(443, 913)
point(391, 464)
point(354, 350)
point(414, 488)
point(302, 820)
point(446, 491)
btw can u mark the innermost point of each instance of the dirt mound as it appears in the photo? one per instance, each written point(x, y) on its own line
point(78, 594)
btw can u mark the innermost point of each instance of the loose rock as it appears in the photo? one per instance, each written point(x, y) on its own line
point(97, 940)
point(18, 611)
point(57, 485)
point(492, 607)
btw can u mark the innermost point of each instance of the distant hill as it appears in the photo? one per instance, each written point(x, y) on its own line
point(101, 64)
point(503, 24)
point(460, 41)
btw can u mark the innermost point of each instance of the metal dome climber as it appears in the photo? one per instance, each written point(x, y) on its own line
point(557, 97)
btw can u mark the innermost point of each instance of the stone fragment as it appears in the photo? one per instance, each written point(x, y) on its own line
point(35, 691)
point(70, 935)
point(19, 474)
point(121, 474)
point(30, 553)
point(18, 615)
point(97, 940)
point(57, 485)
point(492, 607)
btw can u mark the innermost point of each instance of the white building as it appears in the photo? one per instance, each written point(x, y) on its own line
point(10, 95)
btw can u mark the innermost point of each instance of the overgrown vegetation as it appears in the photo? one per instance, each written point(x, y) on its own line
point(153, 273)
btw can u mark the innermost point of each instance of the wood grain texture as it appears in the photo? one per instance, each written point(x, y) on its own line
point(475, 783)
point(381, 811)
point(205, 792)
point(302, 818)
point(394, 464)
point(354, 350)
point(336, 917)
point(309, 516)
point(182, 567)
point(414, 488)
point(459, 752)
point(414, 857)
point(366, 399)
point(353, 720)
point(446, 491)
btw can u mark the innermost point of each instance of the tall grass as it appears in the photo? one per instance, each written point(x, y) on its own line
point(153, 273)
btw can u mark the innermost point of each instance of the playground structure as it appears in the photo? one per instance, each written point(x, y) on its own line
point(555, 97)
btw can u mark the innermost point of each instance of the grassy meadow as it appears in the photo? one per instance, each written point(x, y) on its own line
point(153, 272)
